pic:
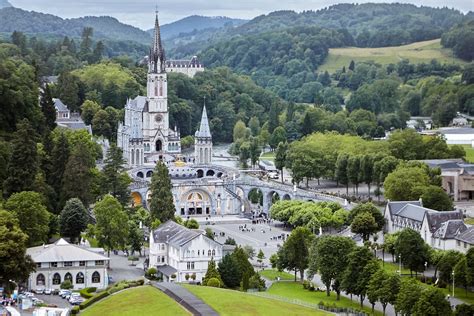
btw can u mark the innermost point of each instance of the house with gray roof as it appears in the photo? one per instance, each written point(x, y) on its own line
point(62, 261)
point(177, 251)
point(465, 239)
point(438, 229)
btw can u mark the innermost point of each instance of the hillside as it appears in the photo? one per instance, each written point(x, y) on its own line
point(417, 52)
point(5, 4)
point(32, 23)
point(196, 23)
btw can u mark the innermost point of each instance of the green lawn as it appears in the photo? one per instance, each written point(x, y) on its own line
point(469, 221)
point(143, 300)
point(269, 155)
point(234, 303)
point(416, 52)
point(272, 274)
point(295, 290)
point(394, 267)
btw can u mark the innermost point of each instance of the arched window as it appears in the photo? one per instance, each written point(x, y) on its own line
point(198, 253)
point(56, 278)
point(40, 279)
point(68, 276)
point(95, 277)
point(133, 156)
point(209, 253)
point(213, 252)
point(137, 160)
point(80, 278)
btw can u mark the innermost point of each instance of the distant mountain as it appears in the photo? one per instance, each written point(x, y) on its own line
point(5, 4)
point(195, 23)
point(105, 27)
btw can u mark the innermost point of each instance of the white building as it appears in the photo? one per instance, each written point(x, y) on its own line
point(459, 136)
point(62, 261)
point(188, 67)
point(203, 142)
point(66, 119)
point(180, 251)
point(441, 230)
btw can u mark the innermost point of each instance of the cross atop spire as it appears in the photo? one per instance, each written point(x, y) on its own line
point(157, 53)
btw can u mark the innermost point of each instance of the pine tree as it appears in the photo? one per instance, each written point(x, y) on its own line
point(161, 204)
point(115, 180)
point(48, 109)
point(352, 65)
point(211, 273)
point(23, 166)
point(307, 127)
point(77, 177)
point(280, 157)
point(229, 272)
point(273, 118)
point(325, 79)
point(73, 219)
point(59, 157)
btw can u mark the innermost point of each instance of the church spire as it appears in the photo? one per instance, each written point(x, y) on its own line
point(157, 53)
point(204, 130)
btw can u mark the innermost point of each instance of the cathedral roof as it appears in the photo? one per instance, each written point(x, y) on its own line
point(204, 130)
point(157, 53)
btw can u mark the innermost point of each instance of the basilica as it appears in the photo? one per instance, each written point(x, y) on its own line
point(145, 135)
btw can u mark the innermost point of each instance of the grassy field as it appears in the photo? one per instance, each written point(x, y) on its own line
point(469, 221)
point(234, 303)
point(295, 290)
point(416, 52)
point(269, 155)
point(272, 274)
point(394, 267)
point(143, 300)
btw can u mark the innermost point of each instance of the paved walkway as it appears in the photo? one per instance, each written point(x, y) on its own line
point(187, 299)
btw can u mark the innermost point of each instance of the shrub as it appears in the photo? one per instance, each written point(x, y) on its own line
point(66, 285)
point(186, 277)
point(87, 292)
point(151, 273)
point(256, 282)
point(75, 310)
point(173, 276)
point(305, 284)
point(140, 281)
point(214, 282)
point(93, 299)
point(193, 276)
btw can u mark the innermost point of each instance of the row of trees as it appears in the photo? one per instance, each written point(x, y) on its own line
point(343, 266)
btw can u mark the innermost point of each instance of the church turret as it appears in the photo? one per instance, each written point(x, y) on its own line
point(156, 59)
point(203, 141)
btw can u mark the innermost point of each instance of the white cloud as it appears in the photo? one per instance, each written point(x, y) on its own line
point(140, 12)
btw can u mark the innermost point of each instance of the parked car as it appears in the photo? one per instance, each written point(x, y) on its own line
point(76, 300)
point(37, 301)
point(273, 175)
point(39, 291)
point(64, 293)
point(48, 291)
point(73, 295)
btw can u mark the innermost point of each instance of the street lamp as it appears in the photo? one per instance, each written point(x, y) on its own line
point(426, 267)
point(453, 282)
point(400, 263)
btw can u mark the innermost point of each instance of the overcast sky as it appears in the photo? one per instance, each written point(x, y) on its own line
point(140, 12)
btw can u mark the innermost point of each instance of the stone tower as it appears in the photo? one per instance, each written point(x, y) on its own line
point(203, 141)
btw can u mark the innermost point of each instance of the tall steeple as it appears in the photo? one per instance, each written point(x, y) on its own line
point(204, 130)
point(157, 53)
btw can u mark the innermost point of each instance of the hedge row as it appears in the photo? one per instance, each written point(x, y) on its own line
point(75, 310)
point(87, 292)
point(93, 299)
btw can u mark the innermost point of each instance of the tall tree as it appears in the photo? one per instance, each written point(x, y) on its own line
point(24, 165)
point(229, 272)
point(254, 151)
point(244, 267)
point(280, 157)
point(114, 178)
point(77, 178)
point(68, 90)
point(73, 219)
point(15, 263)
point(135, 238)
point(211, 273)
point(412, 249)
point(331, 260)
point(341, 171)
point(357, 259)
point(47, 107)
point(32, 215)
point(383, 287)
point(161, 204)
point(278, 136)
point(295, 251)
point(409, 294)
point(111, 227)
point(59, 159)
point(365, 225)
point(354, 171)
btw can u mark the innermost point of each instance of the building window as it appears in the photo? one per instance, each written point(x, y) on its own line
point(99, 262)
point(80, 278)
point(188, 265)
point(56, 279)
point(192, 265)
point(162, 246)
point(95, 277)
point(68, 263)
point(198, 253)
point(68, 276)
point(458, 243)
point(40, 279)
point(213, 252)
point(54, 264)
point(209, 253)
point(163, 259)
point(38, 265)
point(465, 244)
point(82, 263)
